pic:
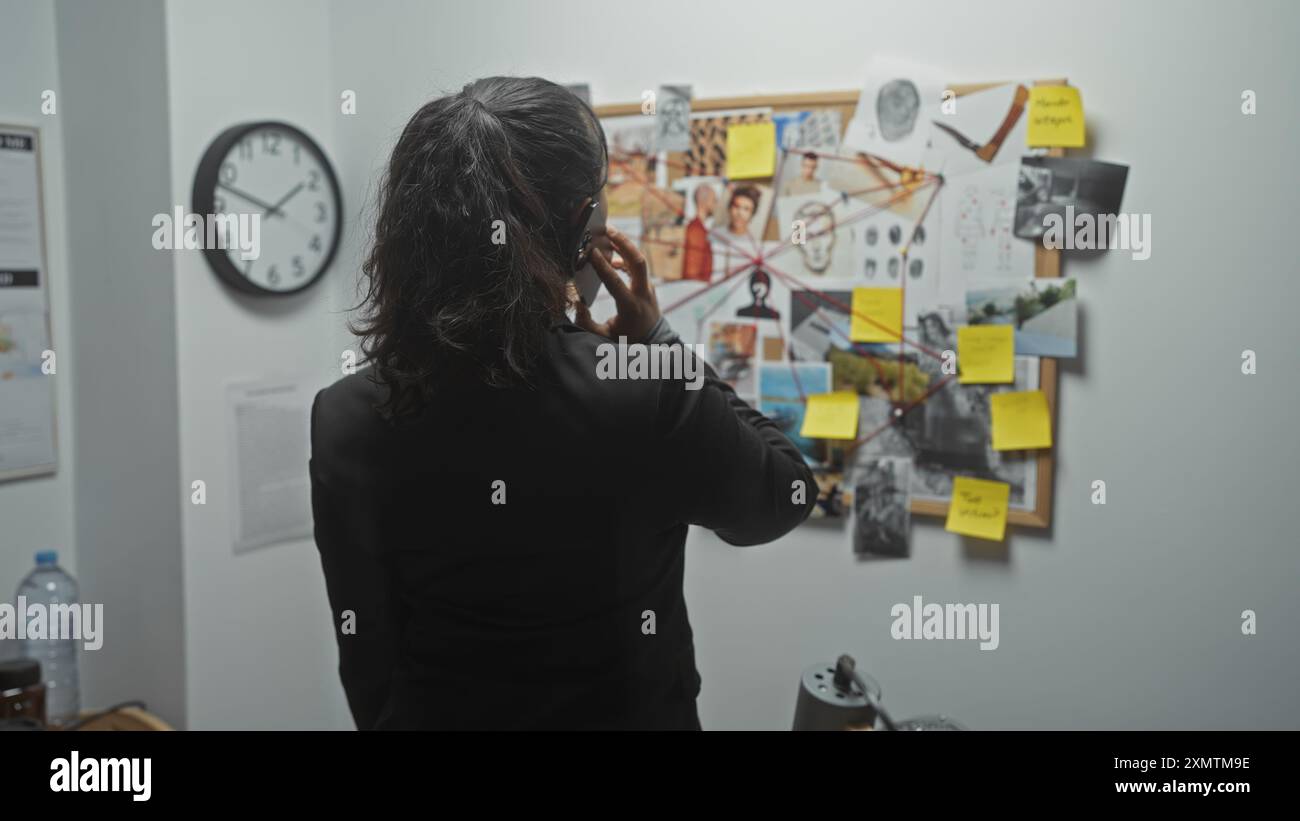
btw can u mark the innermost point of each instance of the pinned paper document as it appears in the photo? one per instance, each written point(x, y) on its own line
point(1055, 117)
point(978, 508)
point(1021, 420)
point(673, 118)
point(751, 150)
point(831, 416)
point(877, 315)
point(986, 353)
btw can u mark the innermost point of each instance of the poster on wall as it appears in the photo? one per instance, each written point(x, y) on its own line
point(27, 363)
point(269, 445)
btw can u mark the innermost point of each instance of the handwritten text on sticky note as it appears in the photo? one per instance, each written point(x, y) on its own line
point(831, 416)
point(1055, 117)
point(1021, 420)
point(978, 508)
point(986, 354)
point(751, 150)
point(877, 315)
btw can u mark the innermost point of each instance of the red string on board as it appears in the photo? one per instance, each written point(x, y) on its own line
point(902, 189)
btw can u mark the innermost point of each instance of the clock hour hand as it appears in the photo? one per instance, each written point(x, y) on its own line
point(269, 209)
point(275, 209)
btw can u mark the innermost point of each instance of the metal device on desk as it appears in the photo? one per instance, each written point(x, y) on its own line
point(838, 697)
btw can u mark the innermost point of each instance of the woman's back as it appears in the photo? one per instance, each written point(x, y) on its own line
point(507, 553)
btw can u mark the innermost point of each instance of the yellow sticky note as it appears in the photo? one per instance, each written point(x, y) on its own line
point(1055, 117)
point(978, 508)
point(877, 315)
point(751, 150)
point(986, 353)
point(831, 416)
point(1021, 420)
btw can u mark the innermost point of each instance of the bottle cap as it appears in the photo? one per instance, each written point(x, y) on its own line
point(47, 557)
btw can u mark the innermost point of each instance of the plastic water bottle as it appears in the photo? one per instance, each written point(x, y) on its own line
point(46, 585)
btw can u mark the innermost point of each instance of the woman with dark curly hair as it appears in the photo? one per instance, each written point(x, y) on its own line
point(501, 530)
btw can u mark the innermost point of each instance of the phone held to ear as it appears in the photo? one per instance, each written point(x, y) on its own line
point(585, 278)
point(588, 283)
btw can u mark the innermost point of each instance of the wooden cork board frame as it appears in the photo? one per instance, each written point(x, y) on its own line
point(1047, 264)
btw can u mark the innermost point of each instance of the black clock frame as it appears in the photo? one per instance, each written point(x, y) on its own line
point(203, 201)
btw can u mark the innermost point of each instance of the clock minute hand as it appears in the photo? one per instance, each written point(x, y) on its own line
point(270, 209)
point(275, 209)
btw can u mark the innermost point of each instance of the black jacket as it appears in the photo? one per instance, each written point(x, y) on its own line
point(453, 610)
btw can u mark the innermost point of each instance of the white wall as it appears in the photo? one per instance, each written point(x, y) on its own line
point(112, 60)
point(1121, 616)
point(259, 649)
point(36, 514)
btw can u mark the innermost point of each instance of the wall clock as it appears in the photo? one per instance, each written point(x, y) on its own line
point(276, 171)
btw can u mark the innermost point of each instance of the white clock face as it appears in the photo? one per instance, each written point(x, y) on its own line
point(277, 174)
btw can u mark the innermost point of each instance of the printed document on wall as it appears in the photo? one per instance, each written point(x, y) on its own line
point(28, 366)
point(269, 424)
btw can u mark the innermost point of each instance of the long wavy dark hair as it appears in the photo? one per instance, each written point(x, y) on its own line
point(444, 295)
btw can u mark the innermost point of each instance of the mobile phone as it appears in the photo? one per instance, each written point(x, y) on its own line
point(585, 278)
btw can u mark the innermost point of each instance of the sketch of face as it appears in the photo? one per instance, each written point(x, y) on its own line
point(897, 105)
point(705, 200)
point(741, 212)
point(677, 113)
point(819, 242)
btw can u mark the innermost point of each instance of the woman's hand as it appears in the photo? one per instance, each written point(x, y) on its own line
point(638, 308)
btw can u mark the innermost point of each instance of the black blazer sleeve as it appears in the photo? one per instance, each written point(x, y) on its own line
point(357, 581)
point(729, 466)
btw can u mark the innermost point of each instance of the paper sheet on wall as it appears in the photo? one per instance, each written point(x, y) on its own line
point(877, 315)
point(270, 489)
point(986, 354)
point(673, 118)
point(27, 429)
point(751, 150)
point(899, 101)
point(978, 508)
point(976, 236)
point(1021, 420)
point(1056, 117)
point(831, 416)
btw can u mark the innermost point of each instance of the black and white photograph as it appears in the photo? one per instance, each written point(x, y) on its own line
point(882, 507)
point(1067, 188)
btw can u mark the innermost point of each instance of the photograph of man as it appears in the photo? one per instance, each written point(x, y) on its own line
point(698, 259)
point(807, 182)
